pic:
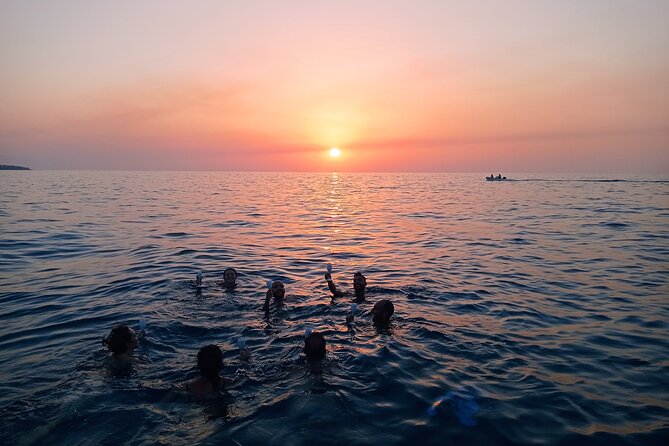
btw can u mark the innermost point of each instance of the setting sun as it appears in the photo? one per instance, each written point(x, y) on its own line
point(335, 152)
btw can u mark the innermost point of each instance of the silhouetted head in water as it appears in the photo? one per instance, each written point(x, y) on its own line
point(210, 363)
point(381, 313)
point(278, 290)
point(122, 339)
point(230, 278)
point(314, 346)
point(359, 284)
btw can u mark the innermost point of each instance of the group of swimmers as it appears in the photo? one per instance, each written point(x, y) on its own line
point(122, 340)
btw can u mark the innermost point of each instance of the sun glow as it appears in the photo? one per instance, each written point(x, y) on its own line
point(335, 152)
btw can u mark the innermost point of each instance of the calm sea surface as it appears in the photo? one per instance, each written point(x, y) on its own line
point(540, 304)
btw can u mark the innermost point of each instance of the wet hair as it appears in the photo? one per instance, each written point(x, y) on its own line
point(233, 282)
point(382, 311)
point(314, 346)
point(118, 339)
point(359, 285)
point(281, 288)
point(360, 276)
point(210, 363)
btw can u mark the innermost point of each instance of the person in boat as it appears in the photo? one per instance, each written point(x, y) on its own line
point(499, 176)
point(278, 291)
point(359, 286)
point(209, 385)
point(229, 278)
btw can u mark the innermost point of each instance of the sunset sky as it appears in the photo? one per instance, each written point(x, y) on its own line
point(512, 86)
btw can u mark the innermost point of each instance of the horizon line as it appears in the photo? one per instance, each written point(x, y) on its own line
point(343, 171)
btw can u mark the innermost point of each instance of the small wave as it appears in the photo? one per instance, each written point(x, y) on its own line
point(66, 236)
point(521, 241)
point(425, 215)
point(231, 223)
point(17, 244)
point(177, 234)
point(184, 252)
point(614, 225)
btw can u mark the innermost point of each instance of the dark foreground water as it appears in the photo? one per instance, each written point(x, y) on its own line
point(544, 300)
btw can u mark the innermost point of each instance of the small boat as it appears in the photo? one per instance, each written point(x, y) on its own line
point(495, 178)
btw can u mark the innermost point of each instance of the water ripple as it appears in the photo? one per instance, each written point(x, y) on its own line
point(545, 295)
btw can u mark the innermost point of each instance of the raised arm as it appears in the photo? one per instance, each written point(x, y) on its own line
point(268, 298)
point(332, 287)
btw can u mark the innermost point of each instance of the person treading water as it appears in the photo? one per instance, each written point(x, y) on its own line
point(121, 342)
point(209, 385)
point(277, 291)
point(381, 313)
point(229, 278)
point(359, 286)
point(315, 351)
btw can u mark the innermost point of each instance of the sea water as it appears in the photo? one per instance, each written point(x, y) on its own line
point(545, 298)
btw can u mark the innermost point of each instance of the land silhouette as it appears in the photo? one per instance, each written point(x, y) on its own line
point(10, 167)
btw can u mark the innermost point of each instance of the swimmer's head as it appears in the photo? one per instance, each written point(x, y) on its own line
point(210, 362)
point(121, 339)
point(381, 313)
point(359, 283)
point(278, 290)
point(314, 346)
point(229, 277)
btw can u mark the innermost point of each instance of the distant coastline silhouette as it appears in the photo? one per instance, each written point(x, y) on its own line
point(10, 167)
